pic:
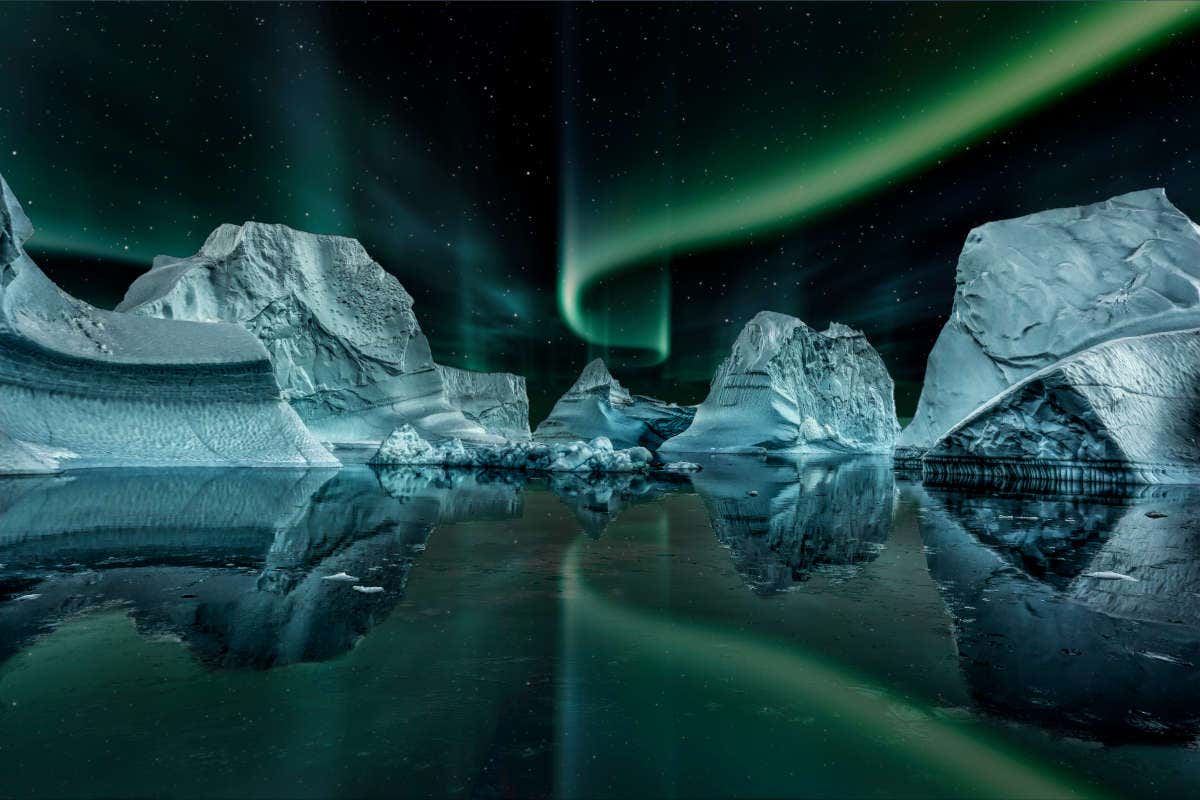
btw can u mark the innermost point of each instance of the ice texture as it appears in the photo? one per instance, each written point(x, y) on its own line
point(341, 332)
point(789, 388)
point(1033, 290)
point(496, 401)
point(81, 387)
point(405, 446)
point(598, 405)
point(1124, 411)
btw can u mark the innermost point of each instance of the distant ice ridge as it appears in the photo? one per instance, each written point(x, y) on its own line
point(341, 332)
point(405, 446)
point(81, 387)
point(1034, 290)
point(496, 401)
point(787, 387)
point(598, 405)
point(1127, 410)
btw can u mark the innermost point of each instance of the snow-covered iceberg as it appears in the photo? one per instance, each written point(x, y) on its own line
point(1124, 411)
point(341, 332)
point(405, 446)
point(82, 387)
point(1032, 291)
point(496, 401)
point(787, 387)
point(598, 405)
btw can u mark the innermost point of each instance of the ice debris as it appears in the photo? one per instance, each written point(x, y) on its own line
point(406, 447)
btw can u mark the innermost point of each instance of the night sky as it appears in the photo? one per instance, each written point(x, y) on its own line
point(556, 182)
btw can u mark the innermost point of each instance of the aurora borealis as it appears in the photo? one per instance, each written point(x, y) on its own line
point(554, 182)
point(833, 172)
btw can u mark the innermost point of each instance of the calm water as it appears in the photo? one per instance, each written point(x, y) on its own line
point(821, 629)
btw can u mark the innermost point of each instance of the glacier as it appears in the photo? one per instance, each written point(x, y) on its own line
point(406, 446)
point(82, 387)
point(598, 405)
point(1124, 411)
point(1033, 290)
point(496, 401)
point(786, 387)
point(346, 346)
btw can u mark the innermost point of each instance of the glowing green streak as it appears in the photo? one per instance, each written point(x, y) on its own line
point(969, 755)
point(1059, 62)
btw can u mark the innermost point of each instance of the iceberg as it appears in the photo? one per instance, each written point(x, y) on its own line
point(406, 447)
point(1125, 411)
point(786, 387)
point(82, 387)
point(598, 405)
point(496, 401)
point(1034, 290)
point(340, 330)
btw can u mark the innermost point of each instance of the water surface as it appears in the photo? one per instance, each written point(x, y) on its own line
point(818, 629)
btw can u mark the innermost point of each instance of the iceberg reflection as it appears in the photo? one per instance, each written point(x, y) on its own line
point(598, 498)
point(237, 563)
point(783, 519)
point(1075, 613)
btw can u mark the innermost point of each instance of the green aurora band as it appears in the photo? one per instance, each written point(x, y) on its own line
point(960, 753)
point(1099, 38)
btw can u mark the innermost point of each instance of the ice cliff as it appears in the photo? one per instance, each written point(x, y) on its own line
point(1034, 290)
point(496, 401)
point(405, 446)
point(1127, 410)
point(341, 332)
point(84, 387)
point(788, 387)
point(598, 405)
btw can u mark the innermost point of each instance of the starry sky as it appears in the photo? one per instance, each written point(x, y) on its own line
point(557, 182)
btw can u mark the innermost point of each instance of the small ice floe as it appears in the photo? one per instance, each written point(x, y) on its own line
point(682, 466)
point(1013, 516)
point(27, 597)
point(1163, 657)
point(1155, 514)
point(368, 589)
point(1110, 576)
point(343, 577)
